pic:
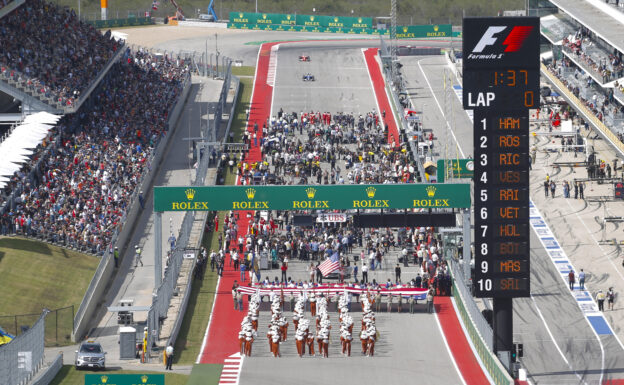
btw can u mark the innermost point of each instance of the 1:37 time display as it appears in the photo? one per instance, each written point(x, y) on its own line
point(511, 78)
point(513, 88)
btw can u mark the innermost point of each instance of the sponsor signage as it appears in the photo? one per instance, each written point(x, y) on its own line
point(334, 21)
point(262, 18)
point(124, 379)
point(331, 218)
point(454, 168)
point(316, 197)
point(420, 31)
point(330, 24)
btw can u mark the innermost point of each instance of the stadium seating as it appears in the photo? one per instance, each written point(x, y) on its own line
point(86, 172)
point(49, 52)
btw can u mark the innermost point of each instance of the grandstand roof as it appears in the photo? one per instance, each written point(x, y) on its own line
point(20, 145)
point(602, 24)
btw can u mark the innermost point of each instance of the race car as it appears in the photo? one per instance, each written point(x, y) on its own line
point(304, 58)
point(308, 77)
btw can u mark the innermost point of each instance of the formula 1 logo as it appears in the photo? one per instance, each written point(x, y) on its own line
point(513, 42)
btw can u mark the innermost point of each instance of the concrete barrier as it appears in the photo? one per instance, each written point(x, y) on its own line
point(45, 376)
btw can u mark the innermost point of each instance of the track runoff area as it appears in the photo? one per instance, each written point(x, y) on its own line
point(411, 344)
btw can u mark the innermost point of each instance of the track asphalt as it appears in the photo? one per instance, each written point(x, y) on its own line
point(221, 341)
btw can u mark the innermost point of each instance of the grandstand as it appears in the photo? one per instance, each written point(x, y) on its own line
point(585, 39)
point(74, 189)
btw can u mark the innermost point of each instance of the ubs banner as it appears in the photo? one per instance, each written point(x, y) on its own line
point(329, 24)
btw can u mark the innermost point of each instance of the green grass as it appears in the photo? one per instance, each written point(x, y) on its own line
point(68, 375)
point(205, 374)
point(244, 71)
point(202, 295)
point(35, 275)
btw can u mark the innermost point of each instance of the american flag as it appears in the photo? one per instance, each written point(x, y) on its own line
point(155, 5)
point(330, 265)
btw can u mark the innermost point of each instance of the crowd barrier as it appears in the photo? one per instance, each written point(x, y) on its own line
point(47, 375)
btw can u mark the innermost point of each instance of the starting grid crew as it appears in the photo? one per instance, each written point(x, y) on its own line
point(368, 334)
point(346, 324)
point(304, 336)
point(249, 327)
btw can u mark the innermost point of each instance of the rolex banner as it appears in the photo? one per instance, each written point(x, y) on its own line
point(329, 24)
point(124, 379)
point(262, 18)
point(313, 197)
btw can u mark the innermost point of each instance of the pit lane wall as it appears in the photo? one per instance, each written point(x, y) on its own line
point(330, 24)
point(491, 364)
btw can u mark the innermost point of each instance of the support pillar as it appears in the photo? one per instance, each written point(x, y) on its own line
point(503, 330)
point(467, 242)
point(157, 250)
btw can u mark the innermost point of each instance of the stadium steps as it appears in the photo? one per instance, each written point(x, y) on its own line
point(35, 104)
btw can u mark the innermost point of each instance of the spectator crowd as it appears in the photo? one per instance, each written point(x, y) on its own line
point(315, 148)
point(603, 106)
point(84, 175)
point(50, 49)
point(605, 67)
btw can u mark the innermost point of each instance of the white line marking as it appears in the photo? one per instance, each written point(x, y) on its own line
point(553, 339)
point(448, 349)
point(441, 111)
point(602, 368)
point(232, 376)
point(201, 350)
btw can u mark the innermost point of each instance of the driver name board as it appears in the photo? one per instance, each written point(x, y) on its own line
point(501, 84)
point(312, 197)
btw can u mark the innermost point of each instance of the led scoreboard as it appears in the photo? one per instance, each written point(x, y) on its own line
point(501, 84)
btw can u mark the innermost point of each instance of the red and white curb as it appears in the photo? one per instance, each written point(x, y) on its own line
point(230, 375)
point(272, 65)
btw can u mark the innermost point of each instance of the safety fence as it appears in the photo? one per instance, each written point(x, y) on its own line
point(200, 63)
point(47, 373)
point(582, 109)
point(21, 358)
point(164, 293)
point(58, 327)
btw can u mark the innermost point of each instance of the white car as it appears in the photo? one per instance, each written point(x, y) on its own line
point(90, 355)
